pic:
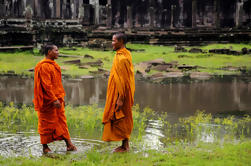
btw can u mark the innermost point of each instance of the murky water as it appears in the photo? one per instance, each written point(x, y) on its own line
point(28, 143)
point(179, 99)
point(176, 99)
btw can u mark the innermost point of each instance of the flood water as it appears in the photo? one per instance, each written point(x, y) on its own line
point(177, 99)
point(180, 98)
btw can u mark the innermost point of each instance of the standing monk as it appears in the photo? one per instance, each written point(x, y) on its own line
point(49, 101)
point(117, 117)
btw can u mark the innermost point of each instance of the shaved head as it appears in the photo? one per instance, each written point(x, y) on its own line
point(121, 37)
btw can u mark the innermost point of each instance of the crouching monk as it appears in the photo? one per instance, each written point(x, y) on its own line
point(49, 101)
point(117, 117)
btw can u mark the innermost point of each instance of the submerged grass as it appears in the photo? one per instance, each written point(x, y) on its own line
point(82, 119)
point(87, 121)
point(20, 62)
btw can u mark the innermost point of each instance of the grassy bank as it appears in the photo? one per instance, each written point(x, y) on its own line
point(21, 62)
point(201, 155)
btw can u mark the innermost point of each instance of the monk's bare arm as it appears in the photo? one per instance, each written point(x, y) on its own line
point(120, 101)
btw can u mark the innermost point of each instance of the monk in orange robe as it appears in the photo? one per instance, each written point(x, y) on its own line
point(117, 117)
point(49, 101)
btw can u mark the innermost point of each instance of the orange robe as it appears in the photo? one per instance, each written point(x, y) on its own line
point(47, 89)
point(118, 124)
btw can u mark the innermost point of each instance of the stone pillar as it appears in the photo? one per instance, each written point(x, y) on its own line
point(80, 10)
point(95, 4)
point(172, 15)
point(109, 15)
point(2, 9)
point(164, 18)
point(51, 6)
point(194, 13)
point(64, 12)
point(58, 4)
point(129, 17)
point(181, 16)
point(152, 16)
point(73, 9)
point(37, 10)
point(77, 5)
point(239, 13)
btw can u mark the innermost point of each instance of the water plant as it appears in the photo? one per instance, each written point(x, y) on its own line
point(87, 120)
point(81, 120)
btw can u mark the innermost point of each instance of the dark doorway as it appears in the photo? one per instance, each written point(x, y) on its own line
point(227, 10)
point(45, 9)
point(187, 13)
point(102, 2)
point(86, 2)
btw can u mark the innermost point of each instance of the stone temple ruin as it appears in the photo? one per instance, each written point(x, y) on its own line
point(70, 22)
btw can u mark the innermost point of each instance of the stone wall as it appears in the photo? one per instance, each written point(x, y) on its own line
point(135, 13)
point(74, 22)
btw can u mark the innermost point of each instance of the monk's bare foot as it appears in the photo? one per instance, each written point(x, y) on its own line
point(117, 149)
point(120, 149)
point(71, 148)
point(46, 150)
point(69, 145)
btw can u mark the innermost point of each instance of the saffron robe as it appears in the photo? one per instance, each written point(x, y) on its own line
point(118, 123)
point(48, 88)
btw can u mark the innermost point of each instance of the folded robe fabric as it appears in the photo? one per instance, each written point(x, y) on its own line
point(118, 123)
point(48, 88)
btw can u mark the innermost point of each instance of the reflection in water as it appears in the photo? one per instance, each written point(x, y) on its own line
point(210, 133)
point(174, 98)
point(153, 134)
point(85, 91)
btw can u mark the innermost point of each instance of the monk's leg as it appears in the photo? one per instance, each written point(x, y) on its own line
point(69, 145)
point(46, 149)
point(125, 144)
point(124, 147)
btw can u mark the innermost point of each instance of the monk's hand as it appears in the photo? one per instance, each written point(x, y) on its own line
point(119, 103)
point(57, 104)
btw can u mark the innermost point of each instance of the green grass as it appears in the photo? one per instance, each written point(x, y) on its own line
point(236, 47)
point(201, 155)
point(20, 62)
point(212, 62)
